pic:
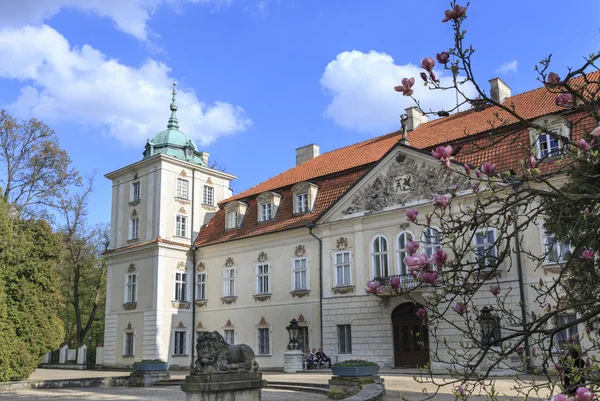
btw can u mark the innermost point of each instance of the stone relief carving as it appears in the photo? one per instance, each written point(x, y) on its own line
point(180, 304)
point(134, 213)
point(130, 305)
point(263, 322)
point(199, 326)
point(129, 326)
point(406, 180)
point(341, 244)
point(228, 323)
point(262, 257)
point(216, 356)
point(229, 262)
point(131, 268)
point(135, 176)
point(183, 173)
point(301, 318)
point(301, 187)
point(181, 325)
point(180, 265)
point(300, 251)
point(182, 210)
point(200, 266)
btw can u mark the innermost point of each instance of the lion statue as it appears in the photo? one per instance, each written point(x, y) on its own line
point(216, 356)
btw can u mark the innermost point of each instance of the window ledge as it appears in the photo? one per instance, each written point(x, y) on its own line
point(201, 302)
point(130, 305)
point(177, 198)
point(208, 205)
point(179, 356)
point(299, 293)
point(128, 356)
point(263, 355)
point(343, 289)
point(296, 214)
point(180, 304)
point(554, 268)
point(179, 236)
point(229, 300)
point(262, 297)
point(135, 202)
point(133, 240)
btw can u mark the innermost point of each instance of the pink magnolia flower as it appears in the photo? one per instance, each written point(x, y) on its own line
point(422, 313)
point(454, 69)
point(440, 201)
point(564, 100)
point(542, 282)
point(587, 254)
point(584, 145)
point(553, 78)
point(584, 394)
point(461, 391)
point(443, 57)
point(428, 63)
point(412, 247)
point(533, 316)
point(411, 214)
point(429, 277)
point(478, 173)
point(373, 287)
point(424, 76)
point(443, 154)
point(440, 257)
point(588, 363)
point(459, 308)
point(532, 161)
point(414, 273)
point(475, 186)
point(406, 86)
point(395, 282)
point(495, 290)
point(467, 169)
point(586, 211)
point(596, 131)
point(533, 351)
point(588, 330)
point(416, 261)
point(433, 77)
point(488, 168)
point(456, 13)
point(559, 397)
point(520, 350)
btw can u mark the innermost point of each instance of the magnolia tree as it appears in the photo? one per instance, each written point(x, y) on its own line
point(503, 324)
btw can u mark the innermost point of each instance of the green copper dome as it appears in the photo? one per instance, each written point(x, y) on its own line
point(173, 142)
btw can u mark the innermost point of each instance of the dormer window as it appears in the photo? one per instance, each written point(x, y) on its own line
point(234, 214)
point(265, 211)
point(548, 144)
point(305, 194)
point(302, 203)
point(232, 219)
point(268, 203)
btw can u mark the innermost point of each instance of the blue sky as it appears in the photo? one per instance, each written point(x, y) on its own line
point(257, 78)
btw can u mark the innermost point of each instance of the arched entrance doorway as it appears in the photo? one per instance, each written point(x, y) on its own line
point(411, 337)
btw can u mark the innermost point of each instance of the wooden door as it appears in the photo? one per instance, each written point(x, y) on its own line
point(410, 336)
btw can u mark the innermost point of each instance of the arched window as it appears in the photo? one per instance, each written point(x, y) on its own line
point(403, 239)
point(379, 257)
point(431, 241)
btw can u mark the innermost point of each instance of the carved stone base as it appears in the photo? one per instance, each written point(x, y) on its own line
point(292, 361)
point(224, 387)
point(147, 378)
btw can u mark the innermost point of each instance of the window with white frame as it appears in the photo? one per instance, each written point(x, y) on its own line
point(229, 282)
point(299, 274)
point(180, 340)
point(201, 286)
point(208, 195)
point(229, 336)
point(343, 271)
point(232, 219)
point(403, 239)
point(484, 249)
point(134, 228)
point(380, 257)
point(180, 226)
point(555, 251)
point(136, 193)
point(180, 286)
point(303, 340)
point(561, 339)
point(183, 188)
point(262, 279)
point(302, 203)
point(344, 334)
point(263, 341)
point(431, 241)
point(131, 288)
point(265, 211)
point(548, 145)
point(128, 344)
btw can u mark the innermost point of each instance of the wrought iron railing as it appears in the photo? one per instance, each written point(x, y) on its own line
point(406, 280)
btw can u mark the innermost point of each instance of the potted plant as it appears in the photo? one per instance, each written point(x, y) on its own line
point(150, 365)
point(354, 368)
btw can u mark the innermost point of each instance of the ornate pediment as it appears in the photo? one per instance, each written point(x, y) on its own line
point(405, 180)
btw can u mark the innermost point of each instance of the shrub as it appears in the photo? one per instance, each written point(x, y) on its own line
point(355, 362)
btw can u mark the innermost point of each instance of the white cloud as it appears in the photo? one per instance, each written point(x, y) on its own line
point(85, 86)
point(508, 66)
point(362, 86)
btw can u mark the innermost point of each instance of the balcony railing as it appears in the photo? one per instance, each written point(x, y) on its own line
point(406, 281)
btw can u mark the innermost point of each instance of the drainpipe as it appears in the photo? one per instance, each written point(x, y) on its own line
point(310, 227)
point(193, 247)
point(521, 284)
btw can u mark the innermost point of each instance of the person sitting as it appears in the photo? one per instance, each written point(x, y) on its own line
point(310, 359)
point(323, 359)
point(572, 375)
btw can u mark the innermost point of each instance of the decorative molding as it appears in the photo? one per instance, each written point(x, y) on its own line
point(262, 257)
point(129, 327)
point(201, 302)
point(131, 268)
point(209, 208)
point(134, 213)
point(180, 304)
point(183, 173)
point(301, 187)
point(228, 300)
point(200, 266)
point(262, 297)
point(229, 262)
point(134, 203)
point(405, 180)
point(341, 244)
point(228, 324)
point(183, 201)
point(130, 305)
point(300, 293)
point(199, 326)
point(404, 226)
point(263, 322)
point(209, 181)
point(552, 270)
point(343, 290)
point(182, 210)
point(300, 251)
point(301, 319)
point(135, 176)
point(181, 325)
point(180, 265)
point(133, 240)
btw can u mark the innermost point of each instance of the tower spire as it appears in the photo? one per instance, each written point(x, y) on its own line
point(173, 122)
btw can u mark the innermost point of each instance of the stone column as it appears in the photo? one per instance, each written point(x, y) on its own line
point(244, 386)
point(292, 361)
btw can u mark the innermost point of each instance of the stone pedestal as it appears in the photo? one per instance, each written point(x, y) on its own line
point(224, 387)
point(345, 386)
point(292, 361)
point(140, 378)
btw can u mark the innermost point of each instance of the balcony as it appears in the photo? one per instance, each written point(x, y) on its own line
point(407, 281)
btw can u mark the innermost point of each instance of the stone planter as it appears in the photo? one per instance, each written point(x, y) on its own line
point(355, 371)
point(150, 367)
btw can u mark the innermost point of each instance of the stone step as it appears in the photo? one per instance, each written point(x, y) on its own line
point(279, 383)
point(296, 387)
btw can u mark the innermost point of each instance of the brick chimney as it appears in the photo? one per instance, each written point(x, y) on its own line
point(306, 153)
point(499, 90)
point(415, 118)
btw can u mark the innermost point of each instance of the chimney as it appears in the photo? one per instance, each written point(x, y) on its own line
point(204, 157)
point(306, 153)
point(499, 90)
point(415, 118)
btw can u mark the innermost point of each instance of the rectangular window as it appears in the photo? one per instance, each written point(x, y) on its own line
point(182, 188)
point(201, 286)
point(181, 287)
point(180, 343)
point(232, 219)
point(431, 241)
point(561, 339)
point(128, 351)
point(263, 341)
point(135, 191)
point(229, 336)
point(134, 228)
point(130, 291)
point(181, 226)
point(344, 333)
point(484, 248)
point(548, 145)
point(265, 211)
point(302, 203)
point(229, 283)
point(262, 279)
point(342, 269)
point(555, 251)
point(208, 197)
point(303, 342)
point(300, 282)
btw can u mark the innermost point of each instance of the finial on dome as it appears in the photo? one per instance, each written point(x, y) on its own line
point(173, 122)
